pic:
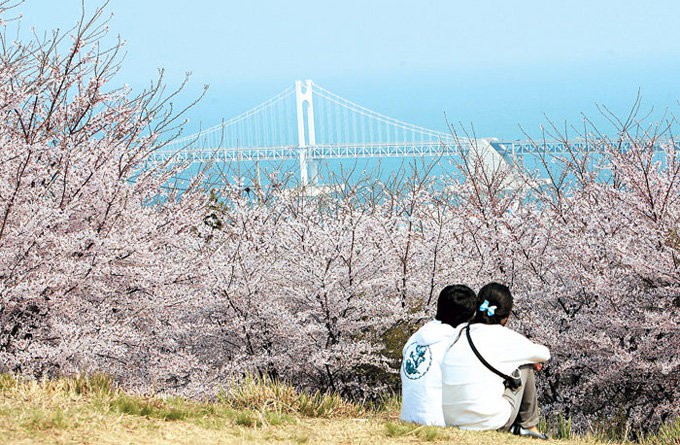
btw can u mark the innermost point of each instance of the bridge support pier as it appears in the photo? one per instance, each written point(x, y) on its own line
point(493, 162)
point(313, 171)
point(309, 171)
point(304, 178)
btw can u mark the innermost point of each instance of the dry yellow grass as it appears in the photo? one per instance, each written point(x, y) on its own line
point(92, 411)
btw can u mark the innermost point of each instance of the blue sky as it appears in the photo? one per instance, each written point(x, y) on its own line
point(494, 64)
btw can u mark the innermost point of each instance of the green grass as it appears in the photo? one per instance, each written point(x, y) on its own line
point(559, 428)
point(268, 395)
point(173, 409)
point(93, 410)
point(668, 434)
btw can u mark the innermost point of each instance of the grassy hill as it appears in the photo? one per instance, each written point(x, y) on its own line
point(93, 410)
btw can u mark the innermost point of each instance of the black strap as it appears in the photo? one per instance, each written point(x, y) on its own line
point(481, 359)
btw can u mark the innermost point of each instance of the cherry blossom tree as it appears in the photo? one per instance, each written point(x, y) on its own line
point(79, 240)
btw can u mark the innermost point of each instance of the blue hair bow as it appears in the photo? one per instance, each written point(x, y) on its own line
point(488, 309)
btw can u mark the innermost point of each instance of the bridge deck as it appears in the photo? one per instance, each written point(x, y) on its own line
point(388, 150)
point(317, 152)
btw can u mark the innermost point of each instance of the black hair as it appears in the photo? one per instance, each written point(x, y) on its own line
point(495, 294)
point(456, 304)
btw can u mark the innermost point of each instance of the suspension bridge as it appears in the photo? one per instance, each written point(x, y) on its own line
point(309, 124)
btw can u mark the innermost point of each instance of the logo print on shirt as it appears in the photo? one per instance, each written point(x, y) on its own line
point(418, 359)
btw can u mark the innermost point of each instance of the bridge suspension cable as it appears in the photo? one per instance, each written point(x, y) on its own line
point(239, 130)
point(378, 117)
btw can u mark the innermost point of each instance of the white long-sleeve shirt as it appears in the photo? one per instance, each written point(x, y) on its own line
point(421, 378)
point(472, 395)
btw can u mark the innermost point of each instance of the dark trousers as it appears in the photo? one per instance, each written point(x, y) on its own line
point(523, 401)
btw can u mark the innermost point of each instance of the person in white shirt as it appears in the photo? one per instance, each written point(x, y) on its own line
point(474, 397)
point(421, 378)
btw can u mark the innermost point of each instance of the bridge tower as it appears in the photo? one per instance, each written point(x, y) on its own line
point(306, 135)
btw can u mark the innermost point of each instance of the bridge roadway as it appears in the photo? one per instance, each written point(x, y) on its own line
point(315, 152)
point(321, 152)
